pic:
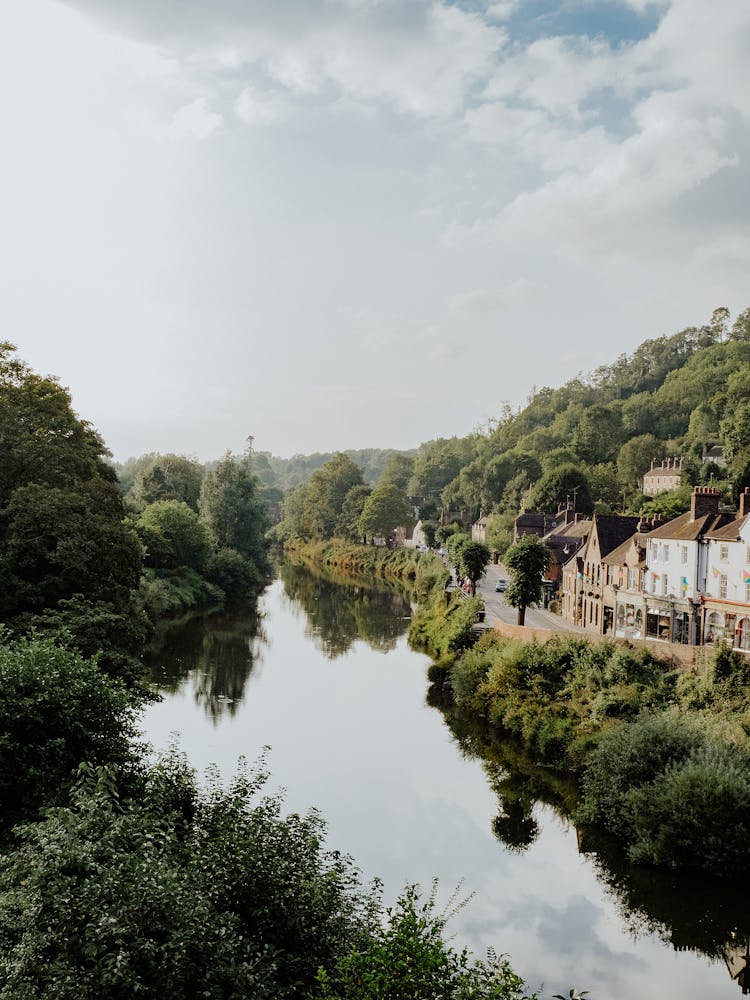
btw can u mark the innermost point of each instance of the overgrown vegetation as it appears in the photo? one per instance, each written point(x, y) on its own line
point(663, 756)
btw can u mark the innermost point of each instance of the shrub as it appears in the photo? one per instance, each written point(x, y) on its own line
point(56, 710)
point(233, 573)
point(174, 893)
point(408, 957)
point(628, 757)
point(696, 813)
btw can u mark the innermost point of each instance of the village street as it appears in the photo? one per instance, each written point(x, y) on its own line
point(496, 607)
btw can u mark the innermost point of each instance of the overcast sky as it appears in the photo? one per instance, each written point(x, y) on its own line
point(360, 223)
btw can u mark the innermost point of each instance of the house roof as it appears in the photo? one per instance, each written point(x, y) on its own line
point(574, 529)
point(684, 529)
point(618, 556)
point(729, 532)
point(612, 530)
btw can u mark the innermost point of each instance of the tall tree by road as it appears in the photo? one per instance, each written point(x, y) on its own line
point(527, 561)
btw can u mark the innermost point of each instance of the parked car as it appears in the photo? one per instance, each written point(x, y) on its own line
point(501, 586)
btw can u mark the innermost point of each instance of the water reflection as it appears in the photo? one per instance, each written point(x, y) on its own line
point(688, 911)
point(217, 652)
point(340, 612)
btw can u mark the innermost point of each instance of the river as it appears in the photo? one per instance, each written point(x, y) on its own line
point(322, 674)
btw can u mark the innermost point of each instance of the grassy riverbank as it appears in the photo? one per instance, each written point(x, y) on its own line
point(662, 757)
point(422, 573)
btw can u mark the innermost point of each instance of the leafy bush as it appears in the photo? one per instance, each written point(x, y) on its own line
point(628, 757)
point(408, 957)
point(56, 710)
point(696, 813)
point(233, 573)
point(175, 893)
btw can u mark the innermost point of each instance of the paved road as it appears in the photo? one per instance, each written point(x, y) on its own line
point(495, 606)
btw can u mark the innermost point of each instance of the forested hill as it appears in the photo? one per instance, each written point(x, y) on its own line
point(596, 435)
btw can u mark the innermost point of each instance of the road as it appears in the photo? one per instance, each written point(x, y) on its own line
point(495, 606)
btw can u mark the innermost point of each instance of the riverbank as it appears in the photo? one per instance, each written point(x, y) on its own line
point(421, 572)
point(660, 757)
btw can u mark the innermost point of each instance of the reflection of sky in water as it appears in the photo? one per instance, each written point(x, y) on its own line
point(354, 737)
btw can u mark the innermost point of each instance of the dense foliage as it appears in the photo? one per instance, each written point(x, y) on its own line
point(56, 710)
point(671, 783)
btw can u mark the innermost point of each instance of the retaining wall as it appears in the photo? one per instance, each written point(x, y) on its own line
point(682, 657)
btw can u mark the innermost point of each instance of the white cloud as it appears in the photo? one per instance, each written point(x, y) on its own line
point(197, 120)
point(255, 108)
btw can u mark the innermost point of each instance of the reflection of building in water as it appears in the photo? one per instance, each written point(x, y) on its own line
point(737, 959)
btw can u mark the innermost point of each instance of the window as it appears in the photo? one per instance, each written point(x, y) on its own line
point(747, 593)
point(723, 585)
point(723, 553)
point(664, 583)
point(683, 554)
point(666, 553)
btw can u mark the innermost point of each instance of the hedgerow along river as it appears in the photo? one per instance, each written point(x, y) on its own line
point(322, 674)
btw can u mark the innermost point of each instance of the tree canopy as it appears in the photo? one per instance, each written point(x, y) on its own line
point(527, 561)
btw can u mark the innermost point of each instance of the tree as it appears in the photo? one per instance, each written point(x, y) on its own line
point(232, 510)
point(384, 510)
point(635, 457)
point(169, 477)
point(348, 521)
point(174, 536)
point(559, 486)
point(62, 530)
point(473, 558)
point(527, 561)
point(326, 492)
point(397, 470)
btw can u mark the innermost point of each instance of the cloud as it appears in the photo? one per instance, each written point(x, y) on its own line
point(490, 301)
point(256, 108)
point(196, 120)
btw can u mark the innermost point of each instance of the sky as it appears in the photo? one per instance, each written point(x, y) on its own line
point(337, 224)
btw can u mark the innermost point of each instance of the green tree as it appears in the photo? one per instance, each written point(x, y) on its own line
point(326, 492)
point(559, 486)
point(169, 477)
point(62, 529)
point(232, 510)
point(348, 521)
point(397, 470)
point(635, 457)
point(473, 558)
point(174, 536)
point(384, 510)
point(527, 561)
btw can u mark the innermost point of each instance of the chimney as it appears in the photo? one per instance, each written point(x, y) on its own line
point(745, 502)
point(705, 500)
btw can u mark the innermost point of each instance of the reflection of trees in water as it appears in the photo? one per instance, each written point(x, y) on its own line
point(219, 651)
point(340, 612)
point(689, 911)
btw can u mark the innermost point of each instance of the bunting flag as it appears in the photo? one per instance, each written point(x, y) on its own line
point(715, 571)
point(746, 577)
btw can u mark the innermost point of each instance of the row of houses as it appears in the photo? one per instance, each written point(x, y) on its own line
point(686, 580)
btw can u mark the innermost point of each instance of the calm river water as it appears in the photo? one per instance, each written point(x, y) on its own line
point(324, 676)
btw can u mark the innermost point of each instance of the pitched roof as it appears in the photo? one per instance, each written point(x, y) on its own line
point(684, 529)
point(618, 556)
point(729, 532)
point(574, 529)
point(613, 529)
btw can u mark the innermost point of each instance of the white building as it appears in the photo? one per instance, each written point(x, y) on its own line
point(726, 589)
